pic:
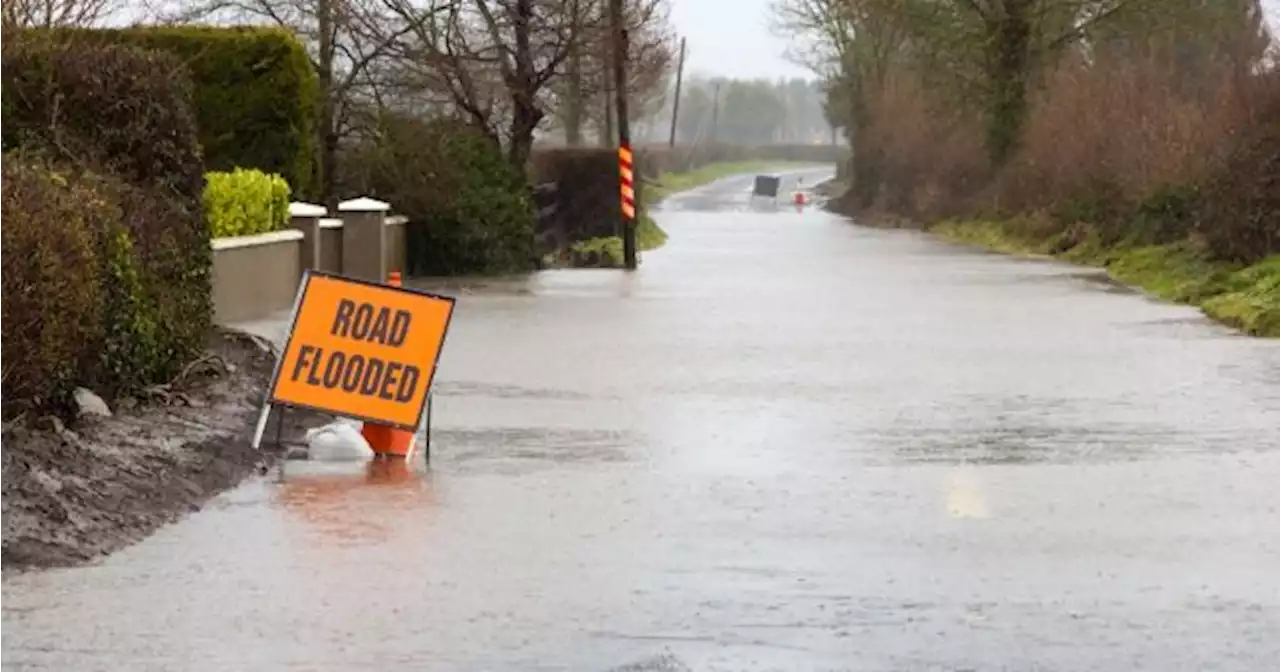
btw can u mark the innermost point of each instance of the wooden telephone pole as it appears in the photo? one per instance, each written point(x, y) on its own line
point(626, 165)
point(715, 113)
point(675, 104)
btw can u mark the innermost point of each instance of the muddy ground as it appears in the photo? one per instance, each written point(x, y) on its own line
point(75, 492)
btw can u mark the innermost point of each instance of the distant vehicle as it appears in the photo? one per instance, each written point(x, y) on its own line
point(767, 186)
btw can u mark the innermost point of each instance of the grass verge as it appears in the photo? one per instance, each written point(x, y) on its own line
point(607, 252)
point(1245, 297)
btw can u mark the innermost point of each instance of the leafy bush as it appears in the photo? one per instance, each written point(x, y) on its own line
point(52, 291)
point(1167, 214)
point(469, 211)
point(117, 121)
point(244, 202)
point(158, 301)
point(255, 94)
point(125, 109)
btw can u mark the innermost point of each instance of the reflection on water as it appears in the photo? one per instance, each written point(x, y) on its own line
point(350, 504)
point(966, 496)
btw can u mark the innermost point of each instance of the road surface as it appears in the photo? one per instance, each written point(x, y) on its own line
point(786, 443)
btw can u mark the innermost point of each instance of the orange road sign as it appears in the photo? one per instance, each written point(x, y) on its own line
point(361, 350)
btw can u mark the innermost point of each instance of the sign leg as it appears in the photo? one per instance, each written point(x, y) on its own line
point(261, 427)
point(426, 449)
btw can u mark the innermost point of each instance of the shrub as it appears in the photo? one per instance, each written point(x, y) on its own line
point(244, 202)
point(920, 155)
point(587, 196)
point(126, 109)
point(1140, 139)
point(89, 298)
point(469, 211)
point(52, 287)
point(119, 119)
point(255, 94)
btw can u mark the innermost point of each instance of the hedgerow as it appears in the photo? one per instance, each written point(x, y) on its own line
point(106, 167)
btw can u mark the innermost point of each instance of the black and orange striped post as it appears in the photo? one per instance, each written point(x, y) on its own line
point(626, 168)
point(626, 176)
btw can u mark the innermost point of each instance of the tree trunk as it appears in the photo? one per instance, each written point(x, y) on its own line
point(524, 105)
point(573, 99)
point(327, 135)
point(1008, 64)
point(524, 120)
point(573, 103)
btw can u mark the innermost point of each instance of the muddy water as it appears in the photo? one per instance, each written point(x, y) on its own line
point(785, 443)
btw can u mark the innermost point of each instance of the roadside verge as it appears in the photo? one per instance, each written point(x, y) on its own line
point(74, 493)
point(1246, 297)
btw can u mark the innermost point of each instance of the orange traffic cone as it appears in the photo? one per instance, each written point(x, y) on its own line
point(388, 441)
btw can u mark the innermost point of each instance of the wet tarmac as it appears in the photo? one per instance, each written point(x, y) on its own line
point(785, 443)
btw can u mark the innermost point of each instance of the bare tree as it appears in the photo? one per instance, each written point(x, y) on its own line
point(495, 59)
point(55, 13)
point(986, 51)
point(346, 40)
point(587, 75)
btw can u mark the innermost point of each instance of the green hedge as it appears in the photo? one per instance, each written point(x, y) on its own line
point(587, 197)
point(127, 109)
point(469, 211)
point(105, 153)
point(256, 95)
point(52, 291)
point(244, 202)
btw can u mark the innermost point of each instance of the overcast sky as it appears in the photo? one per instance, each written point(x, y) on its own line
point(732, 37)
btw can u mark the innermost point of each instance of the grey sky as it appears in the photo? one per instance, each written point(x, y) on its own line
point(732, 37)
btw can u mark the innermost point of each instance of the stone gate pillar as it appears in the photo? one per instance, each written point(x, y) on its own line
point(305, 217)
point(364, 239)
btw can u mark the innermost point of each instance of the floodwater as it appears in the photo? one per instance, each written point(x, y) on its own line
point(786, 443)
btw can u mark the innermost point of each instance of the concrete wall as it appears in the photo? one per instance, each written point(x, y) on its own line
point(256, 277)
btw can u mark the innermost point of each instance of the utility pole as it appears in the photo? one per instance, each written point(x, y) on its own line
point(675, 105)
point(626, 166)
point(607, 137)
point(715, 112)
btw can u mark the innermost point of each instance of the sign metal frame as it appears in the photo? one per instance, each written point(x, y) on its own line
point(298, 301)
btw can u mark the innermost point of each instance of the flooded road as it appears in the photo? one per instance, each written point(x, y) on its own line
point(786, 443)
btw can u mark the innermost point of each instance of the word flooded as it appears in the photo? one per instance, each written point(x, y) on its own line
point(365, 375)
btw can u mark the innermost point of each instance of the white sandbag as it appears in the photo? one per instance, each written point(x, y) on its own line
point(336, 442)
